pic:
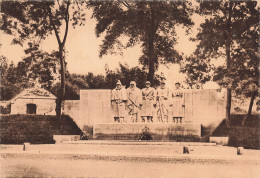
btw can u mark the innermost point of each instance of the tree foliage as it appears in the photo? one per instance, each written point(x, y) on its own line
point(126, 75)
point(148, 23)
point(230, 31)
point(27, 73)
point(26, 20)
point(39, 66)
point(12, 80)
point(197, 71)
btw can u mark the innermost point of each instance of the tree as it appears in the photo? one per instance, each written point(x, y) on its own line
point(197, 71)
point(126, 74)
point(12, 80)
point(40, 67)
point(30, 19)
point(245, 71)
point(74, 83)
point(149, 23)
point(95, 81)
point(220, 35)
point(3, 67)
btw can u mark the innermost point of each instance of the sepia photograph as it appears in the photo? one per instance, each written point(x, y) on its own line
point(129, 88)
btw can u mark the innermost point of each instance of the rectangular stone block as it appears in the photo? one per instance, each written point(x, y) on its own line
point(61, 138)
point(200, 105)
point(219, 140)
point(95, 106)
point(135, 131)
point(188, 106)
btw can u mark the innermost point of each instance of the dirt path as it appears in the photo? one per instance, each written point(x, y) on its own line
point(69, 165)
point(133, 160)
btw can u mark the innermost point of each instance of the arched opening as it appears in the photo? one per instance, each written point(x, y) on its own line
point(31, 109)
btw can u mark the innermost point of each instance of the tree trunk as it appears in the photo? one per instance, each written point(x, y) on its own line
point(249, 109)
point(229, 92)
point(151, 72)
point(61, 95)
point(228, 36)
point(228, 106)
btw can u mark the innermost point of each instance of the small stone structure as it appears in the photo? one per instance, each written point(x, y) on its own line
point(34, 101)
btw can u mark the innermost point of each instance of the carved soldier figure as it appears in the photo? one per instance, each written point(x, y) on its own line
point(148, 102)
point(163, 95)
point(133, 101)
point(118, 102)
point(177, 103)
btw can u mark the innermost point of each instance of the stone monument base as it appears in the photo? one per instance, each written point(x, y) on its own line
point(143, 131)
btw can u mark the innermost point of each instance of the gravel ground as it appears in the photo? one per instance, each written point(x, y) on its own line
point(95, 166)
point(147, 150)
point(101, 160)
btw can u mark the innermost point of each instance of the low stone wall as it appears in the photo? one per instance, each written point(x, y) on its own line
point(137, 131)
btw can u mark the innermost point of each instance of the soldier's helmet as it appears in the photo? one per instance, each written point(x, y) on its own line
point(118, 82)
point(132, 83)
point(148, 82)
point(162, 82)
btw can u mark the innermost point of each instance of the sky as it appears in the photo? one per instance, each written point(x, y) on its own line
point(83, 51)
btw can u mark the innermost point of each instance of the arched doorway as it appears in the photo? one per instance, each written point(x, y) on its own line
point(31, 109)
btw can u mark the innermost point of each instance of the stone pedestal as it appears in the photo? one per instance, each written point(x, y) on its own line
point(137, 131)
point(61, 138)
point(219, 140)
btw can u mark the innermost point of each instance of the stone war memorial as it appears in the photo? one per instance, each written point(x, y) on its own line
point(132, 113)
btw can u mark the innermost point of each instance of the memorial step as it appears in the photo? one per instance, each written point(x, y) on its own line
point(134, 142)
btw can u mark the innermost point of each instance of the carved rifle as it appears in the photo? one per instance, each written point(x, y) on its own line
point(134, 104)
point(160, 108)
point(130, 109)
